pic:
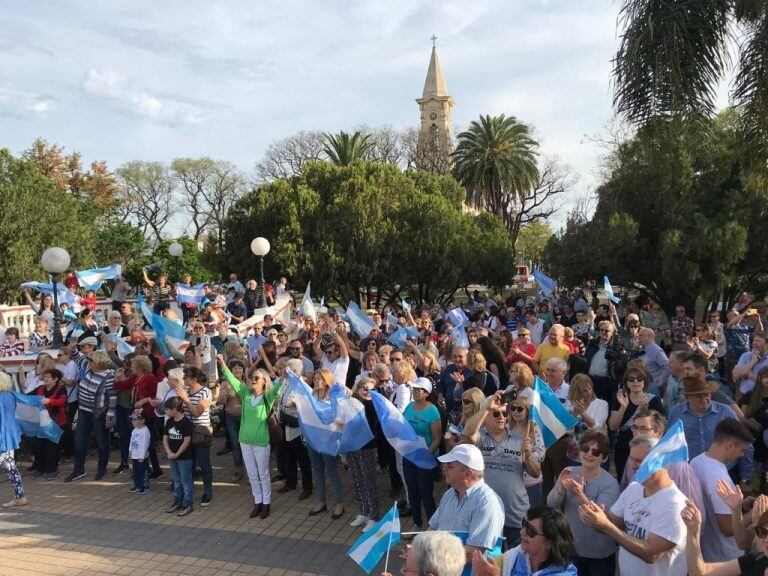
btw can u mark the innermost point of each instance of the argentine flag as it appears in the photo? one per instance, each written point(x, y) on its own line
point(162, 326)
point(372, 545)
point(671, 448)
point(186, 294)
point(360, 322)
point(459, 336)
point(331, 428)
point(33, 418)
point(609, 290)
point(412, 331)
point(93, 279)
point(549, 413)
point(401, 435)
point(457, 317)
point(546, 284)
point(307, 306)
point(405, 305)
point(123, 348)
point(63, 295)
point(398, 338)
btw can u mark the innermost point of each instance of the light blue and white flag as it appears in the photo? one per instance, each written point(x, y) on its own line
point(549, 413)
point(398, 338)
point(457, 317)
point(333, 427)
point(361, 323)
point(495, 552)
point(93, 279)
point(307, 306)
point(671, 448)
point(321, 308)
point(186, 294)
point(546, 284)
point(33, 418)
point(373, 544)
point(459, 336)
point(392, 321)
point(123, 348)
point(162, 326)
point(63, 295)
point(405, 305)
point(401, 434)
point(609, 290)
point(412, 331)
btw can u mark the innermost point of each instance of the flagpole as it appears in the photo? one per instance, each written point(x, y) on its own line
point(389, 544)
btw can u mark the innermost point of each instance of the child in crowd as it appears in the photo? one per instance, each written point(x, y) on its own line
point(12, 345)
point(138, 451)
point(177, 440)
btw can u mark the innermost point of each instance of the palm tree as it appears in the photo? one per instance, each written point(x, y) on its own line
point(343, 149)
point(496, 161)
point(673, 54)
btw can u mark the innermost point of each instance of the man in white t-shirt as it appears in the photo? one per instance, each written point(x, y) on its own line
point(731, 439)
point(335, 358)
point(645, 522)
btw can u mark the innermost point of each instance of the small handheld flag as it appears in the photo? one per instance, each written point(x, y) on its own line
point(307, 306)
point(405, 305)
point(377, 541)
point(671, 448)
point(549, 413)
point(457, 317)
point(609, 290)
point(360, 322)
point(459, 336)
point(93, 279)
point(398, 338)
point(546, 284)
point(162, 326)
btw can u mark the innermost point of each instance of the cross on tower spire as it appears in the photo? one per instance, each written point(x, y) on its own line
point(434, 39)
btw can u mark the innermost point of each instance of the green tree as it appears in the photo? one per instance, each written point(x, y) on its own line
point(190, 262)
point(496, 161)
point(673, 56)
point(35, 215)
point(119, 242)
point(532, 240)
point(344, 149)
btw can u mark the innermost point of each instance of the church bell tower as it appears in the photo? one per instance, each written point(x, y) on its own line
point(435, 145)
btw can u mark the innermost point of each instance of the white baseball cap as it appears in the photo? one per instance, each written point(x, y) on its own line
point(467, 454)
point(424, 384)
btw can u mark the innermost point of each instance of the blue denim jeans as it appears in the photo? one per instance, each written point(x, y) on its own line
point(183, 482)
point(322, 463)
point(85, 424)
point(233, 431)
point(124, 427)
point(140, 474)
point(201, 456)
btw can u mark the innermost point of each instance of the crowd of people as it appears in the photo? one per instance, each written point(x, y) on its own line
point(568, 505)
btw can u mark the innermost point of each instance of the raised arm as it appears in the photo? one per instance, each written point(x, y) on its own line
point(696, 565)
point(147, 281)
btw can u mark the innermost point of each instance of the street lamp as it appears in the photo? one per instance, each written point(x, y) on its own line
point(175, 249)
point(260, 247)
point(55, 261)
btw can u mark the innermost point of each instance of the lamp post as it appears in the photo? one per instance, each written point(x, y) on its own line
point(260, 247)
point(55, 261)
point(175, 250)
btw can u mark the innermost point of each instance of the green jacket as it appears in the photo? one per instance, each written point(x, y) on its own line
point(254, 427)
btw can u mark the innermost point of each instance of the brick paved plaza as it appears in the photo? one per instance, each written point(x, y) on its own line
point(90, 528)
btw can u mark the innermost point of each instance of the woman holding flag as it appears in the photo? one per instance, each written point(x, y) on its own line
point(10, 439)
point(362, 463)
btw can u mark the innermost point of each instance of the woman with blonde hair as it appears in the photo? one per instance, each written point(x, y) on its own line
point(362, 463)
point(257, 401)
point(521, 378)
point(584, 404)
point(471, 401)
point(322, 382)
point(10, 438)
point(34, 379)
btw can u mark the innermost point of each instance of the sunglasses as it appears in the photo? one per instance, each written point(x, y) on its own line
point(530, 531)
point(516, 409)
point(367, 388)
point(635, 379)
point(761, 531)
point(295, 349)
point(467, 401)
point(595, 451)
point(497, 413)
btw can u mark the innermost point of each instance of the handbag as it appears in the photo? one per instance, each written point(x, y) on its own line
point(289, 420)
point(202, 435)
point(275, 430)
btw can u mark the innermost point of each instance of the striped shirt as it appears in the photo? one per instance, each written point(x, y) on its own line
point(15, 349)
point(160, 294)
point(205, 418)
point(480, 513)
point(95, 390)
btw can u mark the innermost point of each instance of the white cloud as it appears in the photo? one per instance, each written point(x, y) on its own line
point(125, 94)
point(21, 102)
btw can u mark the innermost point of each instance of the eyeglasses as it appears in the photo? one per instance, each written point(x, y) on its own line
point(295, 349)
point(367, 388)
point(530, 531)
point(604, 331)
point(761, 531)
point(516, 409)
point(497, 413)
point(595, 451)
point(635, 379)
point(330, 352)
point(467, 401)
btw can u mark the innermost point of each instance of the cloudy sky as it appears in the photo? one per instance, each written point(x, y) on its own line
point(147, 80)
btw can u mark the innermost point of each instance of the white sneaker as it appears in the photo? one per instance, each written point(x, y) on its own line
point(358, 521)
point(368, 525)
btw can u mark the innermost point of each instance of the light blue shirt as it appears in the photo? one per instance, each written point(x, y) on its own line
point(657, 364)
point(480, 513)
point(700, 431)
